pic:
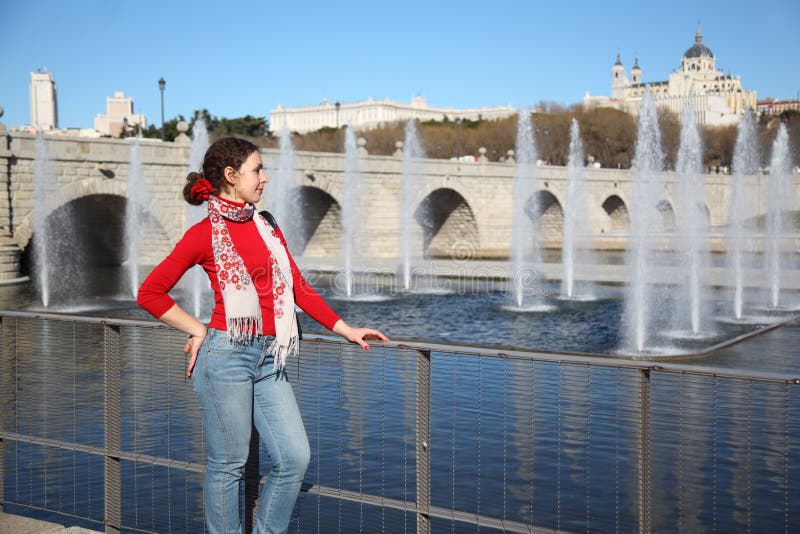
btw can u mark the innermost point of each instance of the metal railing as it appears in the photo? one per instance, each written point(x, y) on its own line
point(98, 424)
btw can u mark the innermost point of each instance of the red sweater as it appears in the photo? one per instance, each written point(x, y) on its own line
point(195, 248)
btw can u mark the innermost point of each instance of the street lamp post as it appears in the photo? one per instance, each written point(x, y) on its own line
point(161, 85)
point(458, 144)
point(546, 154)
point(337, 105)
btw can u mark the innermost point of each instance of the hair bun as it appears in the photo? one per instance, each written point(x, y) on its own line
point(202, 189)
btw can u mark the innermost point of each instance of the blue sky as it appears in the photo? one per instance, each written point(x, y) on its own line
point(239, 57)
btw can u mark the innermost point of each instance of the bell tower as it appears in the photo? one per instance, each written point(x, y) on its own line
point(636, 72)
point(619, 79)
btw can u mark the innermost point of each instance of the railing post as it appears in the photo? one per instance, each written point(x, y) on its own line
point(423, 426)
point(8, 333)
point(644, 455)
point(112, 487)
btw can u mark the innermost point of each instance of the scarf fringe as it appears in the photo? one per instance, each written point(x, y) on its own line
point(281, 352)
point(241, 329)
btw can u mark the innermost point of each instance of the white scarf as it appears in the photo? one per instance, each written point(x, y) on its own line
point(242, 307)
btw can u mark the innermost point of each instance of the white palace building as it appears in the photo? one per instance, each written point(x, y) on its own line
point(718, 98)
point(373, 114)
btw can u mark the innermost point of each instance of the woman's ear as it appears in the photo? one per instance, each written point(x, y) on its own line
point(231, 176)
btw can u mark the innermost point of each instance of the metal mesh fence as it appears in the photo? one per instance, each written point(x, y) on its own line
point(99, 424)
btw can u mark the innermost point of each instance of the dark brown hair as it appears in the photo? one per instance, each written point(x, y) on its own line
point(225, 152)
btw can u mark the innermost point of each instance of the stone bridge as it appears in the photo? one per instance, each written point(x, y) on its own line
point(461, 209)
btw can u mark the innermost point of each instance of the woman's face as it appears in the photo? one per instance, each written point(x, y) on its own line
point(251, 179)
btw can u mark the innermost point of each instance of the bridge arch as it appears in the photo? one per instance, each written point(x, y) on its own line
point(666, 214)
point(89, 231)
point(449, 226)
point(617, 212)
point(697, 209)
point(317, 230)
point(94, 187)
point(544, 209)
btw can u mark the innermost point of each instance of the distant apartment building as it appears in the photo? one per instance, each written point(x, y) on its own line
point(119, 113)
point(771, 106)
point(44, 109)
point(371, 113)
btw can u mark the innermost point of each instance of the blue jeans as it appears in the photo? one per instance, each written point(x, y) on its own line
point(236, 386)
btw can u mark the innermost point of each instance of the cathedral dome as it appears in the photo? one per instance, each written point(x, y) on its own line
point(698, 49)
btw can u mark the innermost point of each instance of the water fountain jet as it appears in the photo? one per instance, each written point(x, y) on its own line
point(43, 176)
point(525, 224)
point(641, 301)
point(411, 175)
point(692, 231)
point(197, 280)
point(351, 208)
point(745, 164)
point(135, 212)
point(574, 244)
point(779, 203)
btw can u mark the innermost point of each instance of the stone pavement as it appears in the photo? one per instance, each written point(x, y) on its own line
point(15, 524)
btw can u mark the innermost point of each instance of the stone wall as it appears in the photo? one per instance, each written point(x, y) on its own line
point(472, 203)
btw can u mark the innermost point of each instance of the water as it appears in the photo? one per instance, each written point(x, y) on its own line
point(692, 225)
point(411, 176)
point(641, 301)
point(135, 213)
point(778, 231)
point(745, 164)
point(281, 189)
point(44, 184)
point(551, 444)
point(351, 208)
point(502, 398)
point(196, 278)
point(524, 250)
point(58, 250)
point(575, 245)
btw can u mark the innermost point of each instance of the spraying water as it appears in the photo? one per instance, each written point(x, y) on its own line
point(574, 210)
point(523, 235)
point(197, 280)
point(351, 209)
point(779, 203)
point(43, 176)
point(281, 185)
point(692, 225)
point(138, 201)
point(640, 299)
point(411, 174)
point(745, 163)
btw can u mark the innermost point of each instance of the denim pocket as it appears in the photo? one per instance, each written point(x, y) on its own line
point(217, 344)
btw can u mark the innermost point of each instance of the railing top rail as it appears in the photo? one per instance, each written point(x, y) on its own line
point(577, 358)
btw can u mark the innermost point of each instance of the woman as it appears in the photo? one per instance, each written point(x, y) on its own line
point(236, 365)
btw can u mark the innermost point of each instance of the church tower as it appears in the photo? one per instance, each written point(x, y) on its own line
point(636, 72)
point(619, 80)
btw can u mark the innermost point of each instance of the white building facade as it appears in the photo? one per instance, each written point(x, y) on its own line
point(718, 99)
point(373, 114)
point(119, 112)
point(44, 107)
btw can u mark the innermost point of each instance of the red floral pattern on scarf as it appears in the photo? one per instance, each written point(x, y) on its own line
point(230, 266)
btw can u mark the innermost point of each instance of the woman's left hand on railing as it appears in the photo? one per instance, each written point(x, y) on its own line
point(358, 335)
